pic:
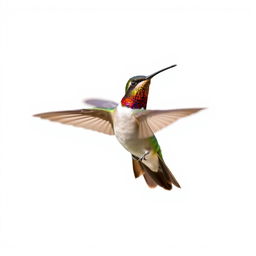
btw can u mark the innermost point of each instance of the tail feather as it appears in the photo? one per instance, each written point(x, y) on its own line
point(137, 169)
point(160, 178)
point(151, 183)
point(163, 177)
point(167, 172)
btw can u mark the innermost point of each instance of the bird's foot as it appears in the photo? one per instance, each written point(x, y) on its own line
point(144, 156)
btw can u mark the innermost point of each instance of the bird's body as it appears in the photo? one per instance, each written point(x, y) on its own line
point(126, 130)
point(127, 133)
point(133, 125)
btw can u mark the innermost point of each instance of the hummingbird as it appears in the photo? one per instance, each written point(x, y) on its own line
point(133, 125)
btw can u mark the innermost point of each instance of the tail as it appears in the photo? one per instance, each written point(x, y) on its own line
point(163, 177)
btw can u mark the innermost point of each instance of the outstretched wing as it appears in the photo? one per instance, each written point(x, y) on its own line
point(94, 119)
point(151, 121)
point(100, 103)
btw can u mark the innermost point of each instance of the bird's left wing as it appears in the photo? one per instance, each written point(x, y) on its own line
point(151, 121)
point(94, 119)
point(101, 103)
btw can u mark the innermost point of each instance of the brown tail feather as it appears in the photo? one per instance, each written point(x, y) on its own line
point(160, 178)
point(151, 183)
point(137, 169)
point(166, 170)
point(163, 177)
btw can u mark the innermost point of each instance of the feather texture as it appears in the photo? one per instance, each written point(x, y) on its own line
point(99, 120)
point(100, 103)
point(151, 121)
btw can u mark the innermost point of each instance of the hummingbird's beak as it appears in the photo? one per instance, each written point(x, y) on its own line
point(154, 74)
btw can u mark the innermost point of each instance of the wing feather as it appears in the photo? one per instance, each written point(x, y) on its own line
point(101, 103)
point(151, 121)
point(95, 119)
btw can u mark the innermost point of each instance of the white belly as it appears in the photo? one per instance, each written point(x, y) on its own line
point(126, 131)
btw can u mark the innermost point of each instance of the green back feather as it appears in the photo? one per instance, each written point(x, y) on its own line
point(155, 145)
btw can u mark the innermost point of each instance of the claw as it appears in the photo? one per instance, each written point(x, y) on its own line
point(144, 156)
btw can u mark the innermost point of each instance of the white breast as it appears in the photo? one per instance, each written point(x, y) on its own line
point(125, 125)
point(126, 131)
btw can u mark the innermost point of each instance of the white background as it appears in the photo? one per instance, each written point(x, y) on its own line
point(69, 191)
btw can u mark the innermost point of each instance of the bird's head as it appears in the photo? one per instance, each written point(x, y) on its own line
point(136, 90)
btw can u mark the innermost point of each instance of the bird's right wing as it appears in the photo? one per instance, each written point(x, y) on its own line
point(151, 121)
point(94, 119)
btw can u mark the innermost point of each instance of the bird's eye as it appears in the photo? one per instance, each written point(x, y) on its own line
point(133, 83)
